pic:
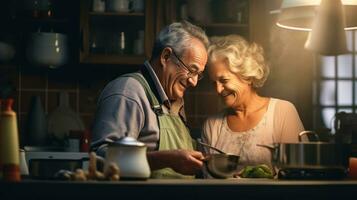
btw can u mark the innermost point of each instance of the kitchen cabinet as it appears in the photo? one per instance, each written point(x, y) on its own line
point(40, 31)
point(113, 36)
point(217, 17)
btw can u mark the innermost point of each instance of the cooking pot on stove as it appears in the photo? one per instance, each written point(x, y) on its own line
point(309, 155)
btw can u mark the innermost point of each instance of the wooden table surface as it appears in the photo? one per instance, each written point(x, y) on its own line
point(181, 189)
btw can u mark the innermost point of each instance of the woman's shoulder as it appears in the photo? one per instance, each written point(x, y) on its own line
point(212, 125)
point(282, 104)
point(218, 116)
point(215, 119)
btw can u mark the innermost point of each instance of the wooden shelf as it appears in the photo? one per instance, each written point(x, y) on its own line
point(44, 20)
point(224, 25)
point(126, 14)
point(114, 59)
point(113, 22)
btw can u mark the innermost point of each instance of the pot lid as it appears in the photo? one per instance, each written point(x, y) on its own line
point(128, 141)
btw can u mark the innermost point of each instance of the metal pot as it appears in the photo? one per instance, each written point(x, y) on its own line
point(309, 155)
point(222, 165)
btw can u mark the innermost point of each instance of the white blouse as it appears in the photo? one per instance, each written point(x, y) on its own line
point(280, 124)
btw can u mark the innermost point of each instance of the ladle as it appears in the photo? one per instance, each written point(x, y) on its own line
point(209, 146)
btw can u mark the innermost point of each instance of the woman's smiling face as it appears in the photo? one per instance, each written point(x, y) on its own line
point(233, 90)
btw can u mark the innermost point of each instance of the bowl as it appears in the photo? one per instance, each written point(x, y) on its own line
point(222, 165)
point(47, 49)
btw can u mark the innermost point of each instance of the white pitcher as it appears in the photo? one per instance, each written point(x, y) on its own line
point(130, 155)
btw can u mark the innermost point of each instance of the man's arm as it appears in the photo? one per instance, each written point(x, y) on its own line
point(117, 116)
point(182, 161)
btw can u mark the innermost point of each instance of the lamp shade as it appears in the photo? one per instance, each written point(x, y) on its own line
point(299, 14)
point(328, 36)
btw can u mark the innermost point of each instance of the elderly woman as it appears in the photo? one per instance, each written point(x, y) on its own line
point(237, 69)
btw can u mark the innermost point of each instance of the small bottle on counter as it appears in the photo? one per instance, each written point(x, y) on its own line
point(74, 140)
point(85, 141)
point(9, 143)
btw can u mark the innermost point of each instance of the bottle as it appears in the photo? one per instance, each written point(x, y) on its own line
point(36, 126)
point(9, 143)
point(85, 141)
point(122, 44)
point(49, 10)
point(139, 43)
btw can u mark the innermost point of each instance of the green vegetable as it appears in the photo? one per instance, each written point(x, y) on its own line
point(266, 168)
point(259, 171)
point(246, 171)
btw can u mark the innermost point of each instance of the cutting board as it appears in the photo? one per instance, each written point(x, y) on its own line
point(63, 119)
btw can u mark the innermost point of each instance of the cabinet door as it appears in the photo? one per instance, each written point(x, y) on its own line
point(217, 17)
point(115, 35)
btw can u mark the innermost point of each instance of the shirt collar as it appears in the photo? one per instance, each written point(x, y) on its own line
point(162, 95)
point(161, 92)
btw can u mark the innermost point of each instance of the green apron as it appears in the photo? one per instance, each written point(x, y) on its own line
point(173, 132)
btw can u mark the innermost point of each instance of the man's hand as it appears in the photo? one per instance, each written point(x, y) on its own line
point(186, 162)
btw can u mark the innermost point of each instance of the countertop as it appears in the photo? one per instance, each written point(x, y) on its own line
point(181, 189)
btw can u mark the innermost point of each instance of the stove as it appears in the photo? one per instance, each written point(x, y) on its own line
point(44, 165)
point(312, 174)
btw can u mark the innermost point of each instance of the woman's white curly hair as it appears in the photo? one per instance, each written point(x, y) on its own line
point(244, 59)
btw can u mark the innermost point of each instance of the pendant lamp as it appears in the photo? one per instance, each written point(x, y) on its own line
point(299, 14)
point(328, 36)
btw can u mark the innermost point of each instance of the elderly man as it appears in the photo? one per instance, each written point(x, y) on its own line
point(148, 105)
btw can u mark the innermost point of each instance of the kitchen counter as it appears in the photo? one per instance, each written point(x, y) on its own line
point(180, 189)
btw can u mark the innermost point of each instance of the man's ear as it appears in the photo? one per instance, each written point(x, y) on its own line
point(165, 55)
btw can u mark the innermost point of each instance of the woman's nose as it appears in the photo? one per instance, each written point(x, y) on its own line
point(219, 88)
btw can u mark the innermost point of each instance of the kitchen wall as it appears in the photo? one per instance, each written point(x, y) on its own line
point(290, 79)
point(82, 83)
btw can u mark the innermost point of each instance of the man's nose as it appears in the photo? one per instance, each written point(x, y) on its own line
point(193, 81)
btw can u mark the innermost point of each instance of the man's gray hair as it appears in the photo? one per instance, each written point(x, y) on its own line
point(177, 36)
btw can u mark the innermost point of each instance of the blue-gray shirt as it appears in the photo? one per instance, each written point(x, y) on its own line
point(123, 109)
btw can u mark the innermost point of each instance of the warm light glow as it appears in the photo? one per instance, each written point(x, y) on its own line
point(351, 28)
point(292, 27)
point(298, 14)
point(308, 29)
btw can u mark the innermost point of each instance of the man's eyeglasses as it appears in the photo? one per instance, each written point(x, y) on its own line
point(190, 73)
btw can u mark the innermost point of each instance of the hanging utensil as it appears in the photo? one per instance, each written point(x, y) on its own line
point(209, 146)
